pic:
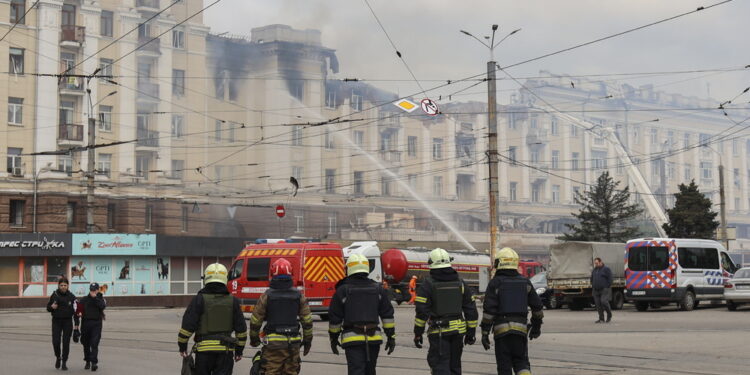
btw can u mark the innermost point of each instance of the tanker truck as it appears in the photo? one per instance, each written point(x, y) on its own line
point(397, 266)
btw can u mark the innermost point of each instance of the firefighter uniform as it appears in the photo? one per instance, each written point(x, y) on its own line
point(91, 311)
point(446, 306)
point(506, 303)
point(280, 307)
point(212, 316)
point(354, 312)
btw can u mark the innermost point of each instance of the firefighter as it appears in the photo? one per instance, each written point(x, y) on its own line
point(280, 307)
point(91, 311)
point(413, 289)
point(446, 304)
point(212, 315)
point(354, 312)
point(506, 303)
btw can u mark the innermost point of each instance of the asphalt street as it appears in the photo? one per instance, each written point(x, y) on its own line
point(709, 340)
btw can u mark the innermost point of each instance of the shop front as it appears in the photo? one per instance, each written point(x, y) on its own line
point(132, 269)
point(30, 264)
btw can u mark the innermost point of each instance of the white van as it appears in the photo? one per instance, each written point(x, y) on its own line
point(663, 270)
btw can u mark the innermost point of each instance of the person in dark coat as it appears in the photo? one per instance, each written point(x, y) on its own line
point(601, 289)
point(62, 305)
point(91, 310)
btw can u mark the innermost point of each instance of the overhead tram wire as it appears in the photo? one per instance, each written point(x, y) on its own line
point(699, 9)
point(398, 53)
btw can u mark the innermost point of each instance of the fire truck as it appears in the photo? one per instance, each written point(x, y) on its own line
point(316, 268)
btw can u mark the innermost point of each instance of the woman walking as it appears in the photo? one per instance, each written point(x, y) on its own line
point(62, 305)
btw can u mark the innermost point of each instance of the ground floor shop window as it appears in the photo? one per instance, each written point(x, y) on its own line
point(9, 277)
point(120, 276)
point(36, 276)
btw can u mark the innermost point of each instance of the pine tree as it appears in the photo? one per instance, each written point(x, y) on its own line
point(691, 216)
point(605, 214)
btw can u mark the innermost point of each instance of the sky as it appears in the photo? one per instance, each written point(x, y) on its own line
point(427, 35)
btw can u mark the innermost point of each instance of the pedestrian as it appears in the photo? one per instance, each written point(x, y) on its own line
point(413, 289)
point(213, 314)
point(506, 303)
point(280, 307)
point(446, 305)
point(601, 285)
point(354, 312)
point(62, 304)
point(91, 310)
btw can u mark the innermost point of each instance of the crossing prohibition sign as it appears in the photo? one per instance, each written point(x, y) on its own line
point(429, 107)
point(280, 211)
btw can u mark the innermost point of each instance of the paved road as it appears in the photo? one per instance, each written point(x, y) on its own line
point(709, 340)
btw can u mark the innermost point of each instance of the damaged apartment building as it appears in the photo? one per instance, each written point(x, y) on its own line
point(214, 129)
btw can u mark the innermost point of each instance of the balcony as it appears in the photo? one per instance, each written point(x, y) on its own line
point(71, 86)
point(70, 134)
point(147, 138)
point(537, 136)
point(391, 156)
point(389, 121)
point(72, 35)
point(147, 5)
point(148, 91)
point(466, 161)
point(148, 47)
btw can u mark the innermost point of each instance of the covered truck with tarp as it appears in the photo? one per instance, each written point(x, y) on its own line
point(570, 267)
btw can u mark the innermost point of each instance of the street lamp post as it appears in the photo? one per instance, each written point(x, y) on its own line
point(492, 138)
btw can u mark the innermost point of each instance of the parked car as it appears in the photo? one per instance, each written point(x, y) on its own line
point(550, 299)
point(737, 290)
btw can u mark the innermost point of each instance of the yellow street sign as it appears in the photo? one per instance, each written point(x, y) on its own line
point(406, 105)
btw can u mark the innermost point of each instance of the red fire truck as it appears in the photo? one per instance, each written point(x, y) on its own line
point(316, 268)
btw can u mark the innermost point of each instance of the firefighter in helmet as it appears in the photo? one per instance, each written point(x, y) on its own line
point(446, 305)
point(506, 303)
point(213, 315)
point(354, 312)
point(280, 307)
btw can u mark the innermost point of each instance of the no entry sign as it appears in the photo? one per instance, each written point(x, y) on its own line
point(280, 211)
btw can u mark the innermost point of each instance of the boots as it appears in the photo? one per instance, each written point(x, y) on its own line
point(57, 362)
point(609, 316)
point(88, 365)
point(94, 367)
point(64, 366)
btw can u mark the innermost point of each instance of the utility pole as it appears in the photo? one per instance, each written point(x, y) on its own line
point(90, 173)
point(492, 154)
point(723, 207)
point(663, 172)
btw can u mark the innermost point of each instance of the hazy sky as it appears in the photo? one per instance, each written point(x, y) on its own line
point(427, 34)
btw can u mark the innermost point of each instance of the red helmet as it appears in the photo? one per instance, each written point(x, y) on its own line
point(281, 266)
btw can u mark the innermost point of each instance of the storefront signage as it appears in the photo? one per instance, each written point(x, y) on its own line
point(114, 244)
point(43, 244)
point(34, 244)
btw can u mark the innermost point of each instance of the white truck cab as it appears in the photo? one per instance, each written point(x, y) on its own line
point(370, 250)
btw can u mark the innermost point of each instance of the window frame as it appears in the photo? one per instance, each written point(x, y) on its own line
point(16, 214)
point(105, 118)
point(19, 7)
point(178, 38)
point(20, 57)
point(178, 82)
point(15, 110)
point(104, 164)
point(106, 24)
